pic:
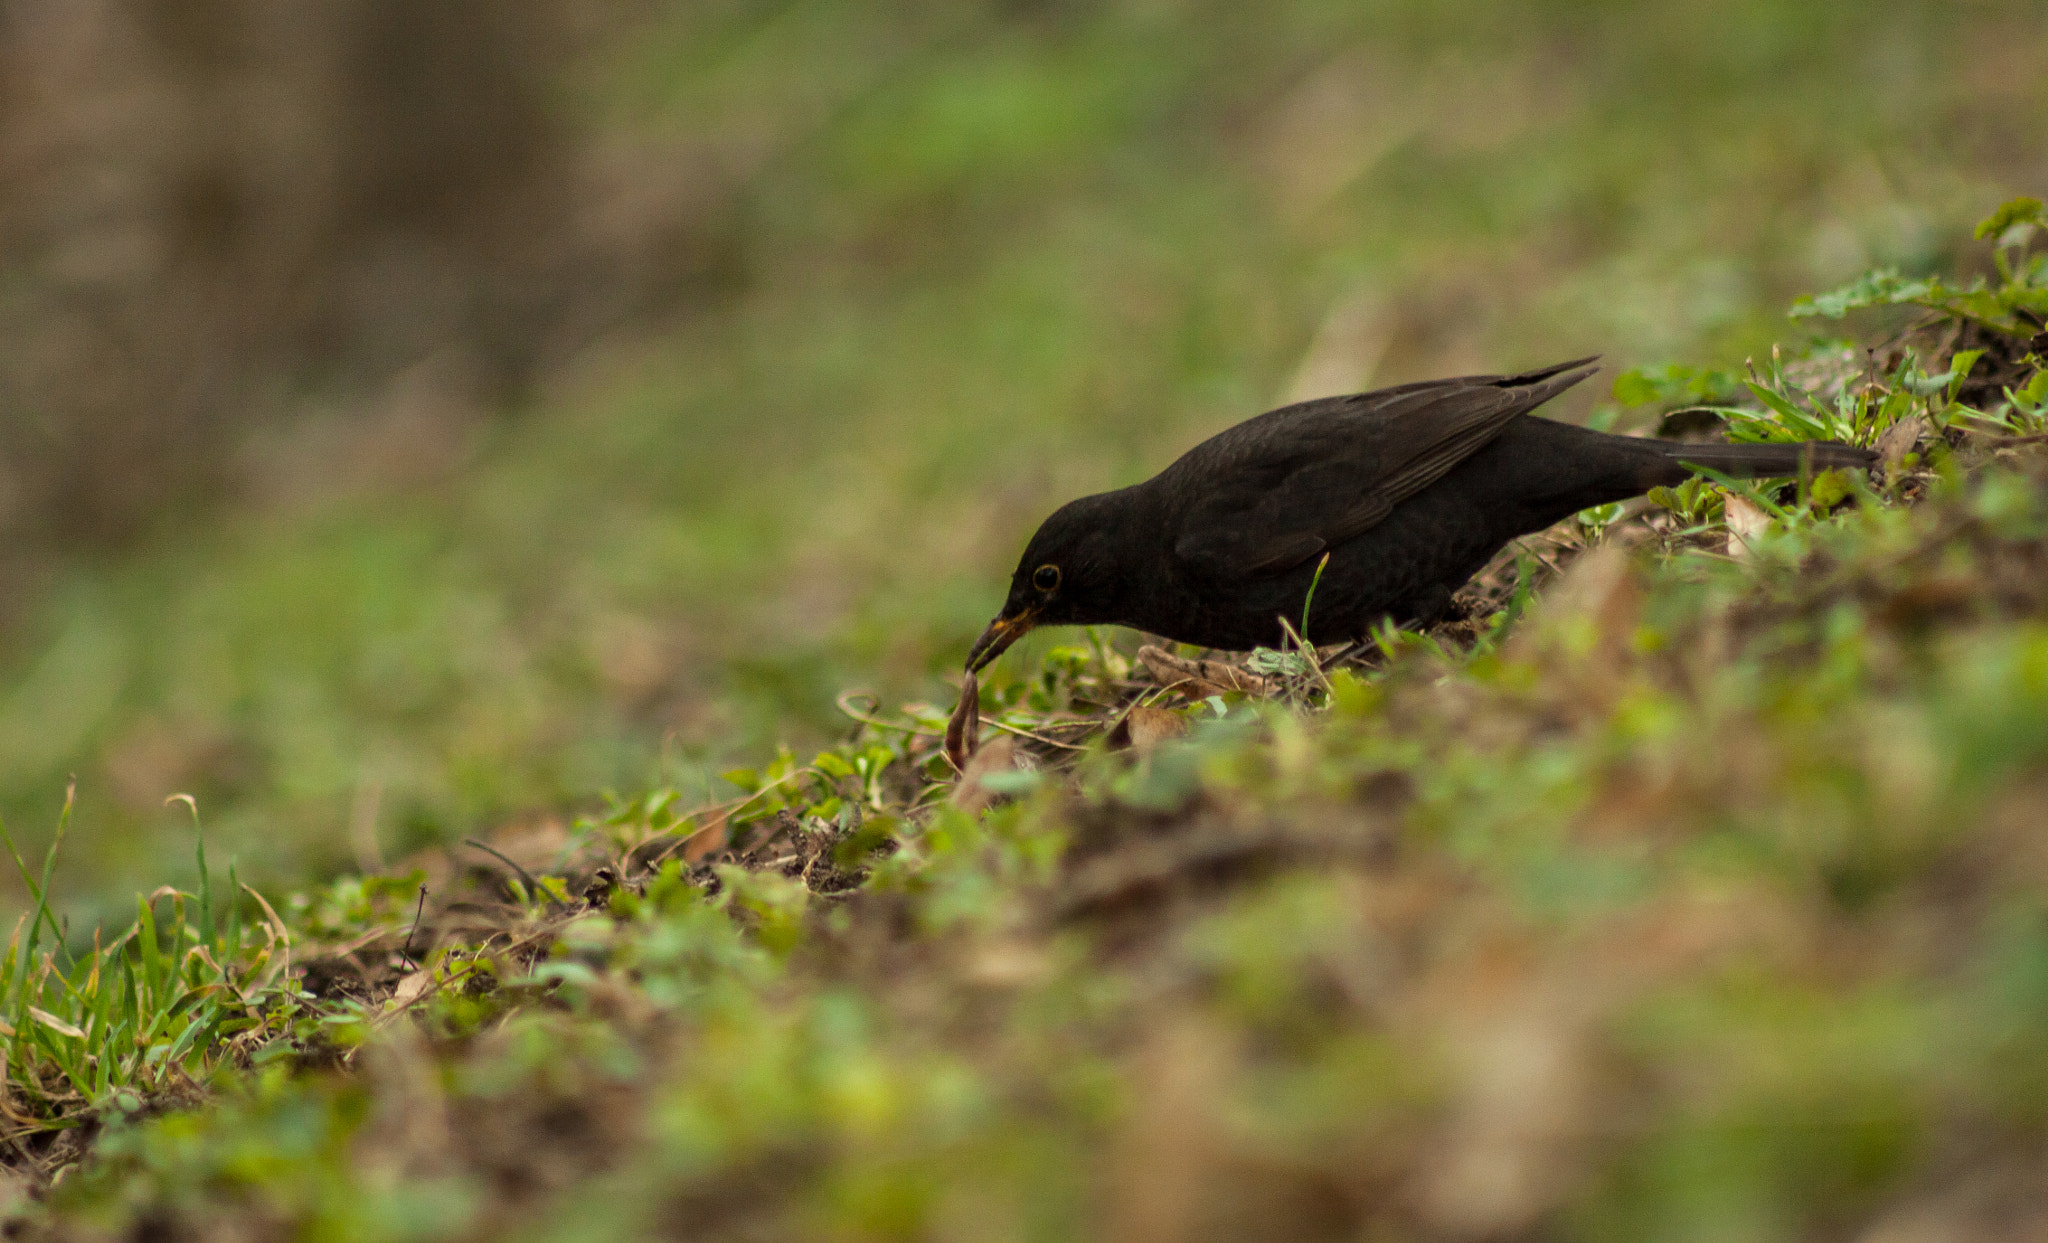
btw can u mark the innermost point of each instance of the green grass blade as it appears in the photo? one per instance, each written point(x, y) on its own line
point(230, 948)
point(199, 851)
point(35, 891)
point(1797, 420)
point(42, 891)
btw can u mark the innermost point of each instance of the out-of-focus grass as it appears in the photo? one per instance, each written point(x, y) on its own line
point(974, 260)
point(1701, 895)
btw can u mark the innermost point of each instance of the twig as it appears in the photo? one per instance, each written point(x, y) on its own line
point(526, 877)
point(1541, 560)
point(1308, 653)
point(731, 806)
point(405, 950)
point(866, 718)
point(724, 811)
point(1346, 652)
point(1025, 733)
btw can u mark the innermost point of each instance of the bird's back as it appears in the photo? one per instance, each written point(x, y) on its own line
point(1279, 489)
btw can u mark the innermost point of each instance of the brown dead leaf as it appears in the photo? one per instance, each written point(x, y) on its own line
point(411, 988)
point(713, 836)
point(1144, 728)
point(1898, 440)
point(1745, 522)
point(970, 794)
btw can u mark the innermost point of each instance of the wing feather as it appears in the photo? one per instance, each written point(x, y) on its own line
point(1276, 490)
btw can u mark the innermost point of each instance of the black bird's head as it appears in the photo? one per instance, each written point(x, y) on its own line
point(1072, 574)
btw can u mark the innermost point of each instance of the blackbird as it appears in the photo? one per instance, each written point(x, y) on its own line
point(1384, 502)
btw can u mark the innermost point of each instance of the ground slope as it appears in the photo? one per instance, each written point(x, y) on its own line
point(1693, 885)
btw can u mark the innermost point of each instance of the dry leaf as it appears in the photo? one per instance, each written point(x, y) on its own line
point(711, 837)
point(1745, 522)
point(411, 988)
point(1898, 440)
point(54, 1023)
point(1144, 728)
point(971, 794)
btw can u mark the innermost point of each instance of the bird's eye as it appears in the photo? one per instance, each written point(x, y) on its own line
point(1047, 578)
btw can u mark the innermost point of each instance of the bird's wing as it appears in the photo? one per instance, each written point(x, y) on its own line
point(1277, 490)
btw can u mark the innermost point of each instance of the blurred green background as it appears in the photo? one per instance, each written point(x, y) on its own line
point(420, 418)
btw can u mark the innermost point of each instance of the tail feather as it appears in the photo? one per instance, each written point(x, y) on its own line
point(1770, 461)
point(1521, 379)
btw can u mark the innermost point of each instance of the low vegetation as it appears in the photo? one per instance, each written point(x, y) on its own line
point(1692, 884)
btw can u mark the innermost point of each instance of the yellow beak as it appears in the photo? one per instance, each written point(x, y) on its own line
point(996, 640)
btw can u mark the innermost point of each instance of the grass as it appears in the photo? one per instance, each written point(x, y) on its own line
point(190, 988)
point(1688, 888)
point(958, 265)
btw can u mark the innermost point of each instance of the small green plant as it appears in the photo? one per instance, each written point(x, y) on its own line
point(187, 989)
point(1831, 391)
point(2016, 306)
